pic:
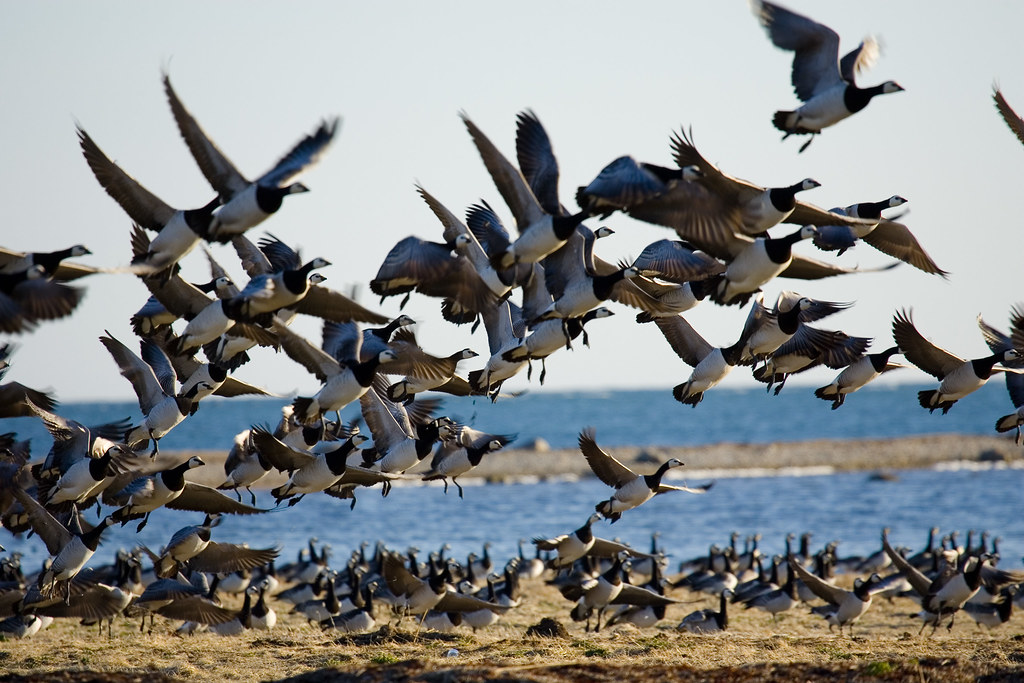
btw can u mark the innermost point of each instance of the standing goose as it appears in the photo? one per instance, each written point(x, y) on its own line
point(178, 230)
point(710, 364)
point(957, 377)
point(823, 82)
point(863, 370)
point(247, 202)
point(631, 489)
point(846, 606)
point(540, 232)
point(708, 620)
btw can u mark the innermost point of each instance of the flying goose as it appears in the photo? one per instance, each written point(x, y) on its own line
point(247, 203)
point(631, 489)
point(244, 466)
point(71, 550)
point(138, 493)
point(192, 547)
point(834, 349)
point(957, 377)
point(28, 296)
point(626, 182)
point(505, 332)
point(1000, 342)
point(823, 82)
point(710, 364)
point(766, 329)
point(310, 472)
point(886, 235)
point(596, 592)
point(846, 606)
point(463, 450)
point(579, 543)
point(540, 232)
point(343, 381)
point(858, 373)
point(178, 230)
point(153, 379)
point(400, 443)
point(442, 377)
point(52, 262)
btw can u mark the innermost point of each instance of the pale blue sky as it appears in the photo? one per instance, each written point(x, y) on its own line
point(605, 78)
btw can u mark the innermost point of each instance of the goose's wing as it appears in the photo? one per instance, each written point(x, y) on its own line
point(388, 422)
point(703, 488)
point(1014, 121)
point(507, 178)
point(15, 397)
point(732, 191)
point(677, 261)
point(804, 268)
point(200, 498)
point(329, 304)
point(684, 340)
point(537, 161)
point(896, 240)
point(155, 357)
point(604, 548)
point(300, 350)
point(815, 47)
point(922, 353)
point(805, 213)
point(136, 371)
point(920, 582)
point(197, 608)
point(643, 597)
point(399, 579)
point(304, 154)
point(282, 456)
point(144, 207)
point(457, 602)
point(218, 170)
point(824, 590)
point(71, 439)
point(231, 557)
point(254, 260)
point(54, 534)
point(698, 216)
point(360, 476)
point(236, 387)
point(605, 467)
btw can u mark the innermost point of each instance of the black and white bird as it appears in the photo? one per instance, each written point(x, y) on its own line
point(153, 379)
point(1000, 341)
point(631, 489)
point(178, 230)
point(711, 364)
point(540, 232)
point(247, 203)
point(824, 83)
point(708, 620)
point(858, 373)
point(463, 450)
point(845, 606)
point(957, 377)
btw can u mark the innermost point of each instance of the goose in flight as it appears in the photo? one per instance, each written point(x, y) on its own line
point(824, 83)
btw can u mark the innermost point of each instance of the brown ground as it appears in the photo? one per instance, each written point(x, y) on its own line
point(886, 647)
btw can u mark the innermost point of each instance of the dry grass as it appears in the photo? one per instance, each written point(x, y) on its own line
point(885, 647)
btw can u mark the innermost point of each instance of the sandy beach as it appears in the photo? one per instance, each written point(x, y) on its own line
point(717, 459)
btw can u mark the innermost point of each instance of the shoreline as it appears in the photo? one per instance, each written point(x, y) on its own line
point(820, 456)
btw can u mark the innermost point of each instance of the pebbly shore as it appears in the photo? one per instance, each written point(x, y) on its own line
point(882, 455)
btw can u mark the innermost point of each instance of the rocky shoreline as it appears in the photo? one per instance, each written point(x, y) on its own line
point(719, 459)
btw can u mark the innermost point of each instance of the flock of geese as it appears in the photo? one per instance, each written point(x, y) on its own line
point(535, 290)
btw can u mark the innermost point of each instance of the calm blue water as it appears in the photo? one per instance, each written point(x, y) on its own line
point(847, 506)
